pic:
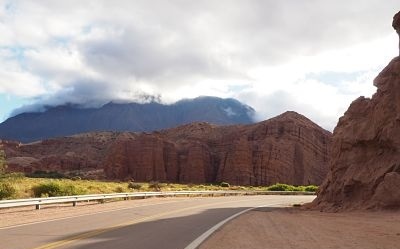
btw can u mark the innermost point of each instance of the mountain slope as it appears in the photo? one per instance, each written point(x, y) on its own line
point(69, 119)
point(288, 149)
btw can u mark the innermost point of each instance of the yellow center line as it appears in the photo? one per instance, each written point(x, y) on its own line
point(93, 233)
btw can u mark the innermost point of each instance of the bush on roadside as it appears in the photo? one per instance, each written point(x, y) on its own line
point(76, 178)
point(52, 188)
point(7, 190)
point(156, 186)
point(287, 187)
point(135, 185)
point(224, 185)
point(281, 187)
point(311, 188)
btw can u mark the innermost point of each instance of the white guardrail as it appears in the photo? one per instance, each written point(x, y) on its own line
point(101, 197)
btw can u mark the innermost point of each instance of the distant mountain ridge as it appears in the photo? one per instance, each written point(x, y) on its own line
point(69, 119)
point(288, 148)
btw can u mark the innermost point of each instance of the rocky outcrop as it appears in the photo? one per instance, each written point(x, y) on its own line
point(81, 154)
point(396, 25)
point(365, 156)
point(288, 148)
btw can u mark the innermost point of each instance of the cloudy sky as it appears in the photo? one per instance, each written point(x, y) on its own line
point(310, 56)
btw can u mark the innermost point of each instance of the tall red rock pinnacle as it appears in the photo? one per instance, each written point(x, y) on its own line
point(365, 155)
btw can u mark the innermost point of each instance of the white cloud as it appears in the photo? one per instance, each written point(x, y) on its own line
point(310, 56)
point(289, 86)
point(15, 80)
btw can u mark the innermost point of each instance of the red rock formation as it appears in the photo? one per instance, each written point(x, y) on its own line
point(396, 25)
point(365, 158)
point(81, 154)
point(288, 148)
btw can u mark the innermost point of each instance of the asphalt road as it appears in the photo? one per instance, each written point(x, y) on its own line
point(170, 225)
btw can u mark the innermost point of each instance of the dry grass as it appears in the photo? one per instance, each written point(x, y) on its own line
point(24, 186)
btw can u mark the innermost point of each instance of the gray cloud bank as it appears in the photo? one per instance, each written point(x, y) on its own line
point(97, 51)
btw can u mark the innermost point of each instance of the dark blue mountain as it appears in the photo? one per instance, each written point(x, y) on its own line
point(71, 119)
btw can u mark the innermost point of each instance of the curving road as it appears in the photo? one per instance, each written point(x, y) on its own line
point(170, 224)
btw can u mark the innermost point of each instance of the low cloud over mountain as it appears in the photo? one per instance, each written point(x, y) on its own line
point(72, 119)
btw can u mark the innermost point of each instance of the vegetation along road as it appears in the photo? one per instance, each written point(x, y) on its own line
point(164, 223)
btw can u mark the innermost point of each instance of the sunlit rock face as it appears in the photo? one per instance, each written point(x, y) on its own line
point(288, 149)
point(365, 156)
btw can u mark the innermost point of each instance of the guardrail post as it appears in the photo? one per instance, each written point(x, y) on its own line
point(74, 203)
point(37, 206)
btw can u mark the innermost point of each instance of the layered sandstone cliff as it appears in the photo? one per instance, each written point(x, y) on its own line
point(365, 158)
point(288, 148)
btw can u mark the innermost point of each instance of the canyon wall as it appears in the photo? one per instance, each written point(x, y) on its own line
point(365, 156)
point(288, 149)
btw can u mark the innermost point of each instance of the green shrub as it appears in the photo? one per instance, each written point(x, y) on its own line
point(76, 178)
point(224, 185)
point(156, 186)
point(286, 187)
point(281, 187)
point(134, 185)
point(297, 188)
point(7, 190)
point(50, 189)
point(47, 189)
point(311, 188)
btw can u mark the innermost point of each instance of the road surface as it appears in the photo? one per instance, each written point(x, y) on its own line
point(167, 224)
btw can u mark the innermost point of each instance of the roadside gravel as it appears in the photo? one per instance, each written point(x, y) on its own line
point(268, 228)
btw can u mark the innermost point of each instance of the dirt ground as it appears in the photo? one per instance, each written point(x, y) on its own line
point(293, 228)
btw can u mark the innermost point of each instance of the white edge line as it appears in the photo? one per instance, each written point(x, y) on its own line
point(82, 215)
point(100, 212)
point(195, 243)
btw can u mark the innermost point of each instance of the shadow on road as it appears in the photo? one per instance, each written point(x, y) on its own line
point(167, 233)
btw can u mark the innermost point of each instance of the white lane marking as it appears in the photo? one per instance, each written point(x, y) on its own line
point(81, 215)
point(100, 212)
point(195, 243)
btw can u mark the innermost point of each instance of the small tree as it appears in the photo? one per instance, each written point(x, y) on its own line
point(3, 165)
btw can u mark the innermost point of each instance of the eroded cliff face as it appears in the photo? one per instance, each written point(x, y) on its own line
point(81, 154)
point(288, 149)
point(365, 158)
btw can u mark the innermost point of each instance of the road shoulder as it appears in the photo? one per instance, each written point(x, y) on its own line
point(266, 228)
